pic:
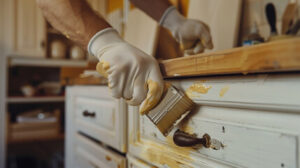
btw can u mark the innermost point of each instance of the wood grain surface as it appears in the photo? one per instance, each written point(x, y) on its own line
point(283, 55)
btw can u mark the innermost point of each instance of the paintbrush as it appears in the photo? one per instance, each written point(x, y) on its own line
point(171, 109)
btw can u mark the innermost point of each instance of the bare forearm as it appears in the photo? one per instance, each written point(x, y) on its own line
point(74, 18)
point(154, 8)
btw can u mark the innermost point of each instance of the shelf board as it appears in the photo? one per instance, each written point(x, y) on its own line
point(57, 137)
point(45, 62)
point(277, 56)
point(35, 99)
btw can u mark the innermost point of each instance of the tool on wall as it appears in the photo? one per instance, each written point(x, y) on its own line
point(271, 16)
point(288, 17)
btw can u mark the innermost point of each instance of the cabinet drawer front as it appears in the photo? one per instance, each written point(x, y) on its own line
point(96, 114)
point(278, 92)
point(89, 154)
point(250, 138)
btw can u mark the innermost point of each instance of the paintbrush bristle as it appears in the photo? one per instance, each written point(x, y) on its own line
point(174, 106)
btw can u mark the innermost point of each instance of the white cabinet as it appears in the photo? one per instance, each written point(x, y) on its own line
point(25, 28)
point(92, 112)
point(255, 117)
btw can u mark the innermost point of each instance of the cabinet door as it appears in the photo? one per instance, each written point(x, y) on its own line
point(30, 29)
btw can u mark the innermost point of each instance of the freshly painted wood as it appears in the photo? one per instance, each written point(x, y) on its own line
point(90, 154)
point(35, 99)
point(253, 133)
point(283, 55)
point(223, 18)
point(45, 62)
point(141, 31)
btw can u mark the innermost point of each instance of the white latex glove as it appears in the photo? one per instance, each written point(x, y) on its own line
point(132, 74)
point(193, 35)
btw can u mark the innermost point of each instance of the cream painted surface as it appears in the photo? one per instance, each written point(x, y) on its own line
point(109, 125)
point(133, 162)
point(257, 120)
point(28, 29)
point(141, 31)
point(115, 19)
point(223, 18)
point(88, 154)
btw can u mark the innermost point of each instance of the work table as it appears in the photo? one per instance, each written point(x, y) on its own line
point(277, 56)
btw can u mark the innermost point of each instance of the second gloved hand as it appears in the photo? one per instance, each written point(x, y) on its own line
point(193, 35)
point(132, 74)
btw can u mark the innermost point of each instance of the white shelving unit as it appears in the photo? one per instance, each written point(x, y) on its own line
point(45, 62)
point(35, 99)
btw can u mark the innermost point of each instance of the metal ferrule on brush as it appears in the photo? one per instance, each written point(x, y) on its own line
point(174, 106)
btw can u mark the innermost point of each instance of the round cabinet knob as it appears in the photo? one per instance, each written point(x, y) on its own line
point(77, 53)
point(58, 49)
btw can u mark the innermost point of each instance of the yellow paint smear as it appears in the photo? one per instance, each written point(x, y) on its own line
point(186, 128)
point(198, 88)
point(152, 98)
point(223, 91)
point(102, 68)
point(171, 155)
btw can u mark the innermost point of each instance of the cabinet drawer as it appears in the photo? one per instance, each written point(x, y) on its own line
point(250, 138)
point(91, 155)
point(276, 92)
point(95, 113)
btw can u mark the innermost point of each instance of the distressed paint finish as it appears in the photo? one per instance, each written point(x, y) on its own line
point(256, 120)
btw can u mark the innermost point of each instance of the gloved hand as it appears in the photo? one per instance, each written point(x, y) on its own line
point(132, 74)
point(193, 35)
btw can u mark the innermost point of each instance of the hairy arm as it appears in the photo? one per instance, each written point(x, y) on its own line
point(154, 8)
point(74, 18)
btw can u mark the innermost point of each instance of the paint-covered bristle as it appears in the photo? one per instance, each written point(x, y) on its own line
point(171, 110)
point(175, 115)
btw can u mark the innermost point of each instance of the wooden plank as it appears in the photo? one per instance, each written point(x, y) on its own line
point(223, 18)
point(283, 55)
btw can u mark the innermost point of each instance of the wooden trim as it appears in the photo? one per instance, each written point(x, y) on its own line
point(283, 55)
